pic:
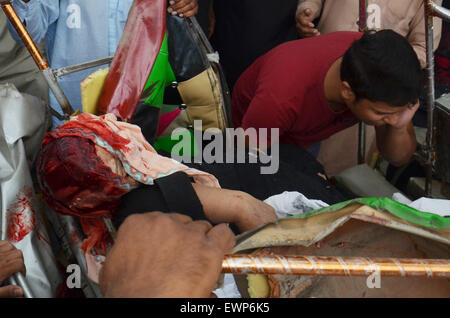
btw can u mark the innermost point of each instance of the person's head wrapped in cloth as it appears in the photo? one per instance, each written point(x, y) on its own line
point(86, 165)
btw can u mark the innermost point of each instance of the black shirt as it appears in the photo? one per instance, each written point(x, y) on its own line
point(297, 172)
point(246, 29)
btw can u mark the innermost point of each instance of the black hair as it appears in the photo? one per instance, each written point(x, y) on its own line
point(383, 67)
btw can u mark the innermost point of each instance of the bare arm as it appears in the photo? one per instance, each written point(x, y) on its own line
point(229, 206)
point(165, 255)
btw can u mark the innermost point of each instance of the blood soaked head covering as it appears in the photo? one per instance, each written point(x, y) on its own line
point(75, 181)
point(86, 165)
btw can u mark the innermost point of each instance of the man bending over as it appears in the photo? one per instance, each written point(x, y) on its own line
point(310, 89)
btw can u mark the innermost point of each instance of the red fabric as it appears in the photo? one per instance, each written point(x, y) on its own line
point(284, 89)
point(74, 181)
point(166, 119)
point(88, 127)
point(443, 71)
point(134, 58)
point(97, 233)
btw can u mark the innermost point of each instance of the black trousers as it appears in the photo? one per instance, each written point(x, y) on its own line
point(298, 171)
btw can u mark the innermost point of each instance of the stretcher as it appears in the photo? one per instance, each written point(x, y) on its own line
point(70, 236)
point(192, 63)
point(428, 154)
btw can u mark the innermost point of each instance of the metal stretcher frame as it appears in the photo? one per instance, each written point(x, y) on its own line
point(68, 223)
point(49, 74)
point(231, 263)
point(362, 22)
point(429, 152)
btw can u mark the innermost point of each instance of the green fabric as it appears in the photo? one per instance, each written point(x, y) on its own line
point(161, 76)
point(404, 212)
point(187, 142)
point(167, 109)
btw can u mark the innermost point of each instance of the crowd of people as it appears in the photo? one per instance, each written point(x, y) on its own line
point(299, 66)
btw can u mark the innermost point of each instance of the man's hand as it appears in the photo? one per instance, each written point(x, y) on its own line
point(403, 119)
point(183, 8)
point(305, 27)
point(11, 262)
point(165, 255)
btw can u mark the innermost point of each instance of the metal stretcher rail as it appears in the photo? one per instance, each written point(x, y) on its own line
point(336, 266)
point(429, 152)
point(49, 74)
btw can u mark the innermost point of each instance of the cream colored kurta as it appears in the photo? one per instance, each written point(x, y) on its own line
point(406, 17)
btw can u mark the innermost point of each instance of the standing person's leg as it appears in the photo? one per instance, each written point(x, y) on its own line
point(298, 171)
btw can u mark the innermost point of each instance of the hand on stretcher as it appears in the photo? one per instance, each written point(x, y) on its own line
point(11, 262)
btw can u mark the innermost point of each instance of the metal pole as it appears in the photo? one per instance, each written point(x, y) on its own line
point(79, 67)
point(429, 147)
point(440, 12)
point(362, 143)
point(73, 236)
point(336, 266)
point(19, 280)
point(37, 57)
point(362, 127)
point(24, 35)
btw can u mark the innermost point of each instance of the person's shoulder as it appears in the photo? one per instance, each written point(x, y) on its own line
point(323, 40)
point(341, 35)
point(337, 41)
point(289, 51)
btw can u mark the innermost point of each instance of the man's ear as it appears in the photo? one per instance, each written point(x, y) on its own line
point(347, 93)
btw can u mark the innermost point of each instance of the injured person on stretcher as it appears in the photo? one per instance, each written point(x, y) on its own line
point(87, 165)
point(94, 167)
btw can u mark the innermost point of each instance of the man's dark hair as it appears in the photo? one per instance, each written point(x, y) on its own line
point(383, 67)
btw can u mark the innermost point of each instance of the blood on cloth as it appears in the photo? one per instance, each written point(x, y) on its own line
point(21, 216)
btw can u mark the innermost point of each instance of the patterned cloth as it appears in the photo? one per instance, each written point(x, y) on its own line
point(126, 142)
point(89, 163)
